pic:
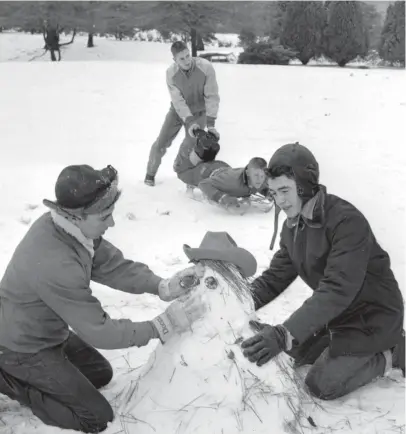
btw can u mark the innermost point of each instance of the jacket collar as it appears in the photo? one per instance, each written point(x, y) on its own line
point(189, 71)
point(245, 176)
point(313, 211)
point(72, 230)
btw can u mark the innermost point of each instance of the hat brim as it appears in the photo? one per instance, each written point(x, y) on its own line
point(238, 256)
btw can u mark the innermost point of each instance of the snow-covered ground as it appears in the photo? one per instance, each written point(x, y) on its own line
point(108, 112)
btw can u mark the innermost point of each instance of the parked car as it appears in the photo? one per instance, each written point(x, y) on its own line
point(219, 57)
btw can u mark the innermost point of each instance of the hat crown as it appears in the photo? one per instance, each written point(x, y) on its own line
point(217, 241)
point(219, 246)
point(79, 185)
point(303, 163)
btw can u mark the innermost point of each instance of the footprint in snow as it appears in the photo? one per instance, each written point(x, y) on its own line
point(31, 206)
point(167, 212)
point(171, 260)
point(26, 218)
point(131, 216)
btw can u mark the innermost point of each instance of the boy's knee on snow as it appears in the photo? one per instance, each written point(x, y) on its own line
point(322, 387)
point(99, 422)
point(107, 374)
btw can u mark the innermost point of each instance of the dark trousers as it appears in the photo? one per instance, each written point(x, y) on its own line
point(60, 384)
point(333, 377)
point(195, 174)
point(169, 130)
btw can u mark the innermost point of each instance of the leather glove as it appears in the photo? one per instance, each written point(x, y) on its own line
point(234, 205)
point(226, 200)
point(179, 284)
point(178, 317)
point(207, 146)
point(213, 131)
point(266, 344)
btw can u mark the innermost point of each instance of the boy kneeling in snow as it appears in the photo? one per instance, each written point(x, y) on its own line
point(350, 329)
point(228, 187)
point(45, 289)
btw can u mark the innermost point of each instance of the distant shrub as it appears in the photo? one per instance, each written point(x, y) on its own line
point(246, 38)
point(265, 53)
point(165, 35)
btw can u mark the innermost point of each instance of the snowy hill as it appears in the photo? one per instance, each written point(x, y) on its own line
point(110, 112)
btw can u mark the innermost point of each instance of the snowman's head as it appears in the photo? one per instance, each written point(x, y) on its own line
point(227, 297)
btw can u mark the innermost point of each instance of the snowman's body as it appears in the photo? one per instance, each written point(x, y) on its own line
point(200, 382)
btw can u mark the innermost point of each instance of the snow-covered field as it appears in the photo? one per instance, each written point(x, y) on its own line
point(109, 112)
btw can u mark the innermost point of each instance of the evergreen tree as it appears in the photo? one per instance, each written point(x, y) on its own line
point(392, 46)
point(373, 21)
point(277, 12)
point(345, 36)
point(303, 28)
point(189, 18)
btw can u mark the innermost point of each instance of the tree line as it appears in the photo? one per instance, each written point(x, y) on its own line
point(340, 30)
point(343, 30)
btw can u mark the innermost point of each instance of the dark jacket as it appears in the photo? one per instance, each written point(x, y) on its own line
point(356, 296)
point(229, 181)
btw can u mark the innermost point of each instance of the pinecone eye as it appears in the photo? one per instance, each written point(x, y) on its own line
point(188, 282)
point(211, 282)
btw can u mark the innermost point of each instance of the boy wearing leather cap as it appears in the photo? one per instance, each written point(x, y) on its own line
point(351, 328)
point(46, 289)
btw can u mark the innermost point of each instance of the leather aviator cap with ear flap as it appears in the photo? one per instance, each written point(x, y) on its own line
point(303, 164)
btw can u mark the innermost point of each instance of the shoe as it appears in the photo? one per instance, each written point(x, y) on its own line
point(398, 354)
point(190, 191)
point(149, 180)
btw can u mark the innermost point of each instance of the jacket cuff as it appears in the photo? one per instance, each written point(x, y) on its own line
point(299, 334)
point(210, 122)
point(188, 120)
point(153, 284)
point(288, 339)
point(218, 196)
point(154, 330)
point(143, 332)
